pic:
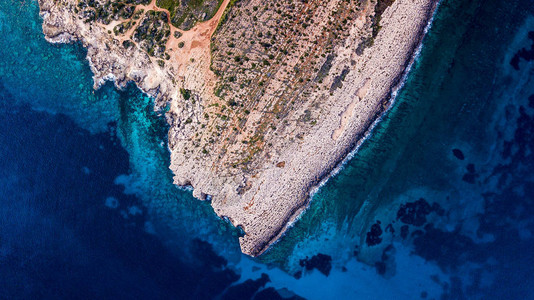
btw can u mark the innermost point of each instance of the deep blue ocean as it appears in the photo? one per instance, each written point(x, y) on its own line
point(438, 203)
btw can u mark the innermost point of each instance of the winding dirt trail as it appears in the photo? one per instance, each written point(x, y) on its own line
point(196, 41)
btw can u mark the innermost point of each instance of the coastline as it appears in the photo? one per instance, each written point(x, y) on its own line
point(287, 173)
point(368, 133)
point(390, 103)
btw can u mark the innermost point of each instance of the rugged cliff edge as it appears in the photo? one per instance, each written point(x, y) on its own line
point(264, 99)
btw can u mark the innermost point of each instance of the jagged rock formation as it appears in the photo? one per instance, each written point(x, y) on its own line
point(265, 99)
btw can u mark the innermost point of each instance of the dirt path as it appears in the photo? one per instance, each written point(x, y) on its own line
point(196, 48)
point(197, 37)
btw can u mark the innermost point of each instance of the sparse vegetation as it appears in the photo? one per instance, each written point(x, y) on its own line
point(153, 33)
point(186, 13)
point(292, 56)
point(104, 13)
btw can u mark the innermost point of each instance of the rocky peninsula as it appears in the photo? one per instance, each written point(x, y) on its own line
point(264, 98)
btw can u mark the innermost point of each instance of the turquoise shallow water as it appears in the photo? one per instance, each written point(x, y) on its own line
point(57, 79)
point(458, 137)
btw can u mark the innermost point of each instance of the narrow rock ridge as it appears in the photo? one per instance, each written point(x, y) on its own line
point(257, 121)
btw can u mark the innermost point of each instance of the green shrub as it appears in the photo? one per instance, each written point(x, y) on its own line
point(185, 93)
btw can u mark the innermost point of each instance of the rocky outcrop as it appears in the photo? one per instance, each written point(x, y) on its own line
point(259, 147)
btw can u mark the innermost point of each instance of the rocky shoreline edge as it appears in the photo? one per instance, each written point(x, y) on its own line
point(347, 153)
point(347, 156)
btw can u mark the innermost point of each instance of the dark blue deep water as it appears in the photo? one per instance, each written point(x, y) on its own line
point(438, 203)
point(59, 240)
